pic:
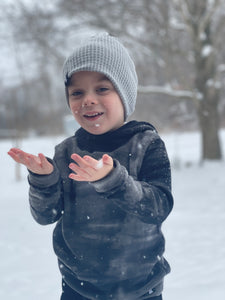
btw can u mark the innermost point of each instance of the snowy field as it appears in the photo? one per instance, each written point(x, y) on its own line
point(195, 230)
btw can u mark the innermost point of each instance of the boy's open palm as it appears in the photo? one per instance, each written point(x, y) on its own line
point(90, 169)
point(36, 164)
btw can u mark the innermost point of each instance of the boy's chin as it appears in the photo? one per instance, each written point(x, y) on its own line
point(98, 129)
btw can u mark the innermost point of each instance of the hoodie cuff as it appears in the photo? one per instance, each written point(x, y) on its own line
point(44, 180)
point(112, 180)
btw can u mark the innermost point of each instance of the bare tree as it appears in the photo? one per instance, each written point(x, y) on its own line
point(199, 18)
point(153, 19)
point(176, 44)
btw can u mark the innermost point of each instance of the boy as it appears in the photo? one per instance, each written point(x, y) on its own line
point(108, 186)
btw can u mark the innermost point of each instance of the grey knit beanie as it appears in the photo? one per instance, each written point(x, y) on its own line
point(105, 54)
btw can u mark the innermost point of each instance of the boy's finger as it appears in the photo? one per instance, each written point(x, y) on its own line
point(82, 171)
point(22, 156)
point(43, 159)
point(82, 163)
point(76, 177)
point(91, 161)
point(15, 150)
point(32, 164)
point(16, 154)
point(46, 166)
point(77, 158)
point(107, 160)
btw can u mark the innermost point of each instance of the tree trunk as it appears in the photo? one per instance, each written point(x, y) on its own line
point(206, 85)
point(209, 125)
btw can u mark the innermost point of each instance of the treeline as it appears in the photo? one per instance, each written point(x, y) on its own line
point(177, 46)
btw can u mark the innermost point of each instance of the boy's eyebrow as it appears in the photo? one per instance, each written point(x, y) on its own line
point(103, 78)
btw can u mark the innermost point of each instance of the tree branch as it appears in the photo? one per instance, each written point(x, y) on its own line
point(207, 17)
point(185, 12)
point(166, 90)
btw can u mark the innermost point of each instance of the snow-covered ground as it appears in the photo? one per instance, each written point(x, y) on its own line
point(194, 231)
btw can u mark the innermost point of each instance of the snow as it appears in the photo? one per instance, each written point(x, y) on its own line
point(99, 164)
point(167, 90)
point(194, 231)
point(206, 50)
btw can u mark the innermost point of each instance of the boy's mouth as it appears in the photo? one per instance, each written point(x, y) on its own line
point(93, 116)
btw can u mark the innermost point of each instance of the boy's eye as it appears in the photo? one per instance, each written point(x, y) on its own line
point(102, 90)
point(76, 93)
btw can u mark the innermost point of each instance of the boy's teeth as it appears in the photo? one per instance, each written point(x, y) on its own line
point(93, 115)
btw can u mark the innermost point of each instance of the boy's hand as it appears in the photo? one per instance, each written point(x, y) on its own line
point(36, 164)
point(90, 169)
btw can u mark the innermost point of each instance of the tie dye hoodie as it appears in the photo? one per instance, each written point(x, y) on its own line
point(108, 237)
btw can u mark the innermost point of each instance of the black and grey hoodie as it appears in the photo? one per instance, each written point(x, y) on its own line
point(108, 237)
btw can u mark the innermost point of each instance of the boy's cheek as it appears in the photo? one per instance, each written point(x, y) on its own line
point(74, 108)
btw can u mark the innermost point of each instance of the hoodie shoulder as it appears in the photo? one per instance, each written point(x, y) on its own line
point(141, 126)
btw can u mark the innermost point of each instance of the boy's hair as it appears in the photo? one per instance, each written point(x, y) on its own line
point(105, 54)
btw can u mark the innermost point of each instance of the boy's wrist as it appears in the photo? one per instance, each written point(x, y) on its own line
point(44, 180)
point(105, 176)
point(111, 180)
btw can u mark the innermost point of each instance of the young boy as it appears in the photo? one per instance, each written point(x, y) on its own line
point(108, 186)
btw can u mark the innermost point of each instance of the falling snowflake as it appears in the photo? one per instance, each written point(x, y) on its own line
point(99, 164)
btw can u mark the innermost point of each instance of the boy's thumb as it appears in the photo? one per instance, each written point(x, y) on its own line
point(107, 160)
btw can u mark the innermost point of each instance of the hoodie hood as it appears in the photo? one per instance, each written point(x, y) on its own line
point(109, 141)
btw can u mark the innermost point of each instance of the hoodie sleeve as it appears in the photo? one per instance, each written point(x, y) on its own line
point(149, 197)
point(45, 196)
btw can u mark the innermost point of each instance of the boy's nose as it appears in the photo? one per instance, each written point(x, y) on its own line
point(90, 99)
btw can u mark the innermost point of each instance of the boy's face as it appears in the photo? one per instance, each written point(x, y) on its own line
point(94, 102)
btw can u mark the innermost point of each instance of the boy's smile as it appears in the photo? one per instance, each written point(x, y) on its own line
point(95, 103)
point(93, 116)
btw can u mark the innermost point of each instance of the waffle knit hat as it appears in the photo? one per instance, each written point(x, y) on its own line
point(105, 54)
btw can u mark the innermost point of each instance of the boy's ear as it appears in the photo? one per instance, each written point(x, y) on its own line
point(67, 94)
